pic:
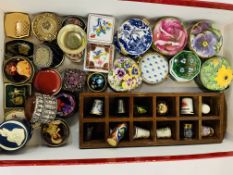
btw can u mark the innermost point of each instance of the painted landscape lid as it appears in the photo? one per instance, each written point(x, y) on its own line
point(125, 75)
point(134, 37)
point(154, 68)
point(216, 74)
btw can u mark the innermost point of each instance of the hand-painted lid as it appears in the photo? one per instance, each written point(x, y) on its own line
point(18, 70)
point(100, 28)
point(169, 36)
point(47, 82)
point(154, 68)
point(56, 132)
point(216, 74)
point(45, 26)
point(13, 135)
point(185, 66)
point(205, 40)
point(97, 82)
point(134, 37)
point(125, 75)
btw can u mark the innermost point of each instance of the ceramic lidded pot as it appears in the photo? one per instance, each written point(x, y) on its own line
point(169, 36)
point(66, 104)
point(216, 74)
point(125, 75)
point(18, 70)
point(55, 133)
point(185, 66)
point(97, 82)
point(134, 37)
point(14, 134)
point(154, 68)
point(72, 39)
point(205, 40)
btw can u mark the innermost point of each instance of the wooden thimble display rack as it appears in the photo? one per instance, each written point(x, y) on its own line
point(96, 129)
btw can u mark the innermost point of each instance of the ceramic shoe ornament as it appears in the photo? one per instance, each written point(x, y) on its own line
point(216, 74)
point(14, 135)
point(100, 28)
point(125, 75)
point(134, 37)
point(185, 66)
point(169, 36)
point(154, 68)
point(205, 40)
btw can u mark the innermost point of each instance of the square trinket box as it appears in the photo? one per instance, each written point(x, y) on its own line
point(15, 95)
point(100, 28)
point(99, 57)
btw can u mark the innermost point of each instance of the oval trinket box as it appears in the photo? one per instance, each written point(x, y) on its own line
point(134, 37)
point(19, 48)
point(47, 81)
point(169, 36)
point(14, 135)
point(43, 56)
point(205, 39)
point(154, 68)
point(216, 74)
point(125, 75)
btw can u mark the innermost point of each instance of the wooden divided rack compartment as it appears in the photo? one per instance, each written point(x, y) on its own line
point(196, 128)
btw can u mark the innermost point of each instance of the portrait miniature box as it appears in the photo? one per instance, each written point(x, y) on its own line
point(184, 129)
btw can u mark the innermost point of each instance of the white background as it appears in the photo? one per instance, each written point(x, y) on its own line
point(188, 167)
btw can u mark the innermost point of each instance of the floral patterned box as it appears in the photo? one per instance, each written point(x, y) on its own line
point(100, 28)
point(99, 57)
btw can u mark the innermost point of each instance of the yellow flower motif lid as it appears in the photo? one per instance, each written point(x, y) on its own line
point(216, 74)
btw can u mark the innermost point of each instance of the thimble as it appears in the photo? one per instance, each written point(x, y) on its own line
point(97, 107)
point(141, 133)
point(121, 107)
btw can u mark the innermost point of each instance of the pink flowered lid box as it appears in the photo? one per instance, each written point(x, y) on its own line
point(100, 28)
